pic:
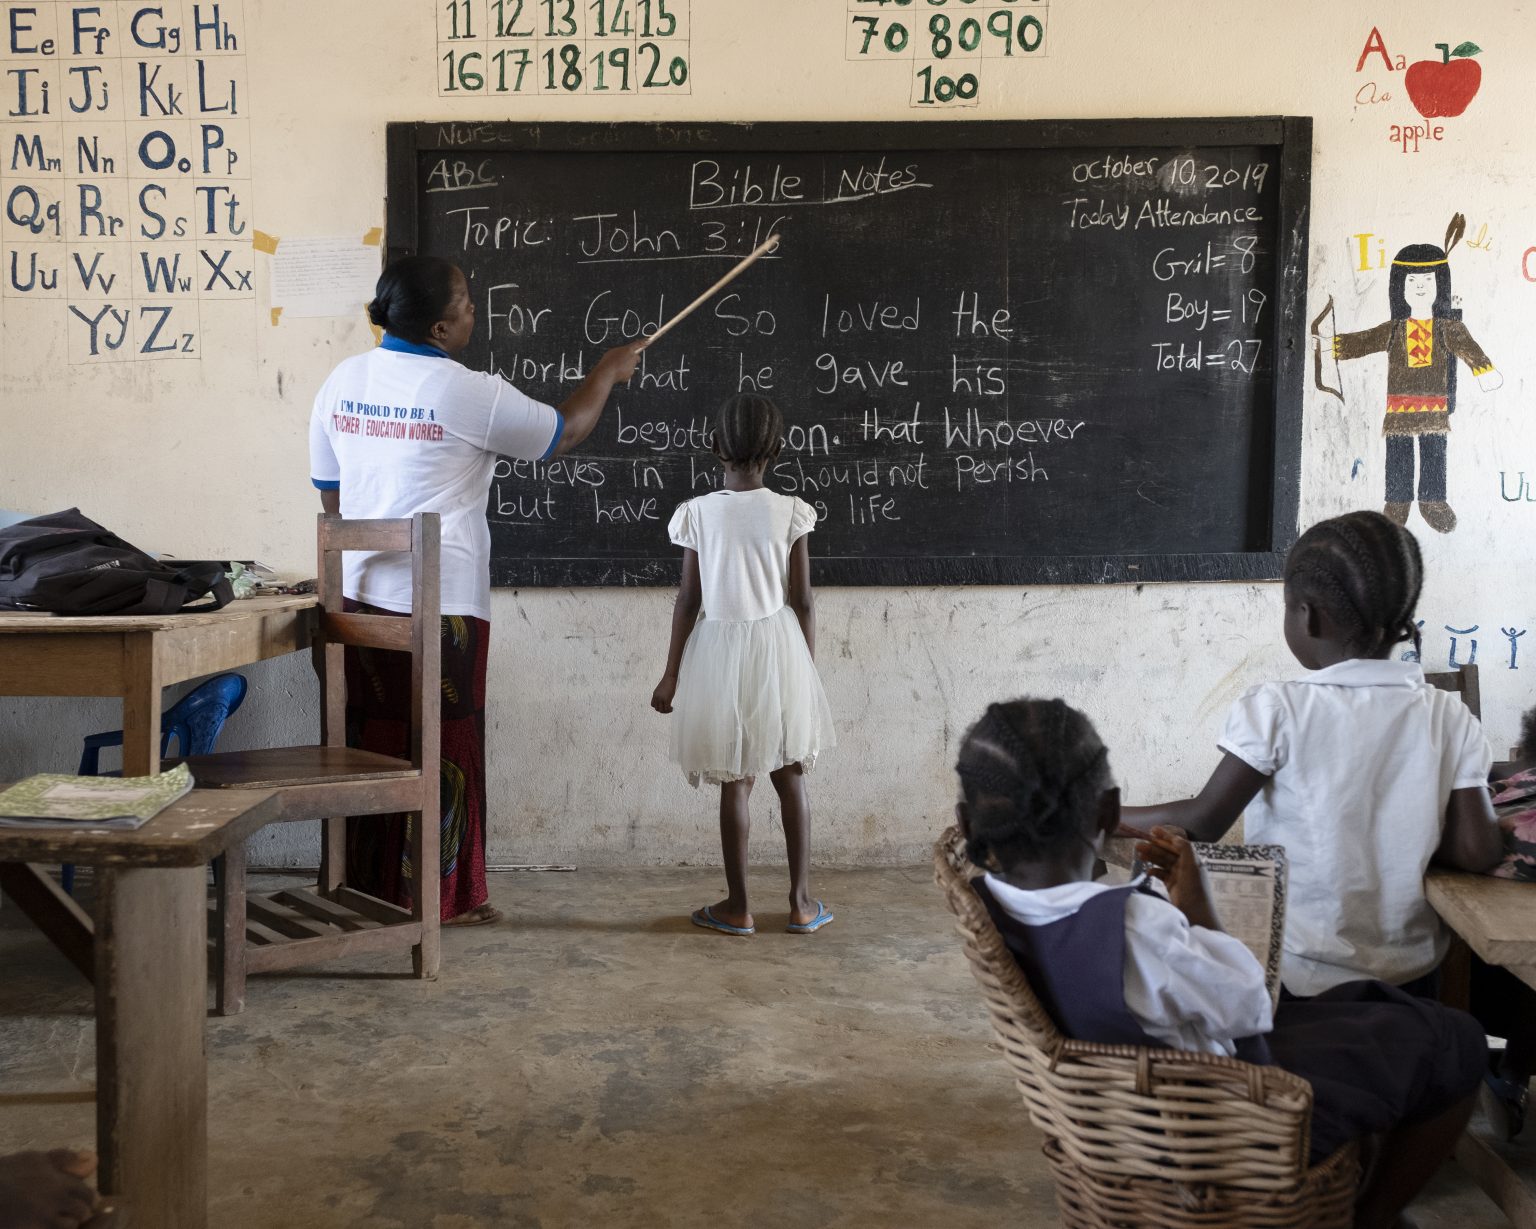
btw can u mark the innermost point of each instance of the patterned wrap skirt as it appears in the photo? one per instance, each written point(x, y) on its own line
point(378, 704)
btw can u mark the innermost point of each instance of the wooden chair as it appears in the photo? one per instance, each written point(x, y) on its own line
point(257, 934)
point(1157, 1138)
point(1464, 682)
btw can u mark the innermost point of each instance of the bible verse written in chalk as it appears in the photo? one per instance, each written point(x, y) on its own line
point(1081, 358)
point(125, 174)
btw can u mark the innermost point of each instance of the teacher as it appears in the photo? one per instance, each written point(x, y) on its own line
point(468, 419)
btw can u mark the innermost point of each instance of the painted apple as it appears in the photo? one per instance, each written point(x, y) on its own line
point(1445, 86)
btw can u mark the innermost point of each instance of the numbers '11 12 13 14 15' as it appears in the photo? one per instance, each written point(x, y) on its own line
point(518, 47)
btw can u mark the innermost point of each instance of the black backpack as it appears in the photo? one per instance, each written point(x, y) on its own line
point(68, 564)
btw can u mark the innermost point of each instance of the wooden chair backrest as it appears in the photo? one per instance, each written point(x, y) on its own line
point(1463, 681)
point(419, 634)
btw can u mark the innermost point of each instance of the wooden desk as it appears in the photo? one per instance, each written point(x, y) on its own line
point(132, 657)
point(146, 949)
point(1496, 918)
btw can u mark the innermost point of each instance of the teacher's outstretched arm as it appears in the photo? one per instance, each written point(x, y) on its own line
point(584, 407)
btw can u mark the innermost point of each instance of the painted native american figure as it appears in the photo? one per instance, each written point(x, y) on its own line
point(1423, 340)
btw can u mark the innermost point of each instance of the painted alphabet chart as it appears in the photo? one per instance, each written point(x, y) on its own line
point(952, 45)
point(124, 171)
point(506, 47)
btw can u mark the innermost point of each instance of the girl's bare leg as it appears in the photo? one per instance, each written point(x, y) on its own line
point(735, 827)
point(789, 783)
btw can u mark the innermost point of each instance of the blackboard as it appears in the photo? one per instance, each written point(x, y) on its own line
point(1006, 352)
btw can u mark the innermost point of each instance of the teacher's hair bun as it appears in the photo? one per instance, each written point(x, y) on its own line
point(378, 312)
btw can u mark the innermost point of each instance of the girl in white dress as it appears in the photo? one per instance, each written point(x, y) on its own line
point(742, 680)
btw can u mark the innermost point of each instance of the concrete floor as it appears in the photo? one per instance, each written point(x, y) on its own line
point(595, 1060)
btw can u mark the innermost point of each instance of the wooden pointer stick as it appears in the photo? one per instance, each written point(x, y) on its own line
point(762, 249)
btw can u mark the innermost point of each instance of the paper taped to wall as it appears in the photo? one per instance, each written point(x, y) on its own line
point(323, 275)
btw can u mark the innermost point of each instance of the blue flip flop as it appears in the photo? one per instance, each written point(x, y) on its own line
point(705, 917)
point(823, 916)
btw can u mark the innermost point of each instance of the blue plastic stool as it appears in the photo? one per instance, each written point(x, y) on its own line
point(194, 721)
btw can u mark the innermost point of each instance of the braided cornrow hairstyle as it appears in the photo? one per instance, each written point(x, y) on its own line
point(1031, 773)
point(1366, 572)
point(748, 430)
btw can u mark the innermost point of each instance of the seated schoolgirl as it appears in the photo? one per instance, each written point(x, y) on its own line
point(1122, 965)
point(1362, 770)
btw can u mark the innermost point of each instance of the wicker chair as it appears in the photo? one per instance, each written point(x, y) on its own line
point(1150, 1138)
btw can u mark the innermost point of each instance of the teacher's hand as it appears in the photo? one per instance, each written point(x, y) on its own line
point(619, 363)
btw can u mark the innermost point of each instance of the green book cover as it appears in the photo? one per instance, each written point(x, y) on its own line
point(60, 800)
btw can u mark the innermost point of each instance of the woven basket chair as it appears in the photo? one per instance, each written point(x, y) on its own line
point(1138, 1137)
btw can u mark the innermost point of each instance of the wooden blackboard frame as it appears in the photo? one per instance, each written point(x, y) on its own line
point(1274, 503)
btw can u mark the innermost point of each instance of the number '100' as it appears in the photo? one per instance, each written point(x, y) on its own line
point(946, 89)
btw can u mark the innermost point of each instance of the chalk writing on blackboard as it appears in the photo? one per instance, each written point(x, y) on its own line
point(1038, 354)
point(952, 45)
point(125, 172)
point(602, 47)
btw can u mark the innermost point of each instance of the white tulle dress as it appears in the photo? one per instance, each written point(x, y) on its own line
point(749, 700)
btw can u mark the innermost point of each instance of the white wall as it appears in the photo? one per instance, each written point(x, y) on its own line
point(208, 456)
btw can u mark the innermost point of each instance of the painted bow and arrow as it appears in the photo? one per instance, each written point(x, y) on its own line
point(1337, 387)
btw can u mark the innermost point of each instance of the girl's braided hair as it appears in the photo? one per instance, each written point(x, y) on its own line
point(1366, 572)
point(1031, 773)
point(748, 430)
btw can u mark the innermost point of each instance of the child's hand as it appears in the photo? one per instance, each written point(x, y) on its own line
point(661, 698)
point(1170, 857)
point(47, 1190)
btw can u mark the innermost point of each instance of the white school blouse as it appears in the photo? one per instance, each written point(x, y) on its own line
point(743, 539)
point(1188, 987)
point(1361, 757)
point(405, 429)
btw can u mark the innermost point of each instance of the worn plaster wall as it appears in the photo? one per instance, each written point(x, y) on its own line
point(207, 455)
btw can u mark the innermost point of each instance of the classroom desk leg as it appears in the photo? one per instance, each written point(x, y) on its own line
point(151, 1065)
point(141, 707)
point(229, 894)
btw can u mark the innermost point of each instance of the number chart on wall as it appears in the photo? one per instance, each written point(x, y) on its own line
point(125, 174)
point(1005, 352)
point(521, 47)
point(955, 47)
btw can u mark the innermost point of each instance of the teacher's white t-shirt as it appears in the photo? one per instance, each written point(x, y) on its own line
point(405, 429)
